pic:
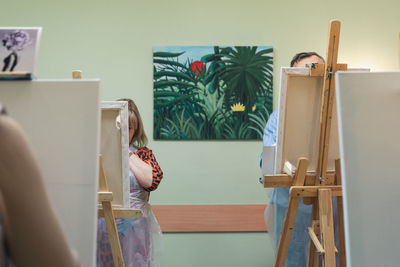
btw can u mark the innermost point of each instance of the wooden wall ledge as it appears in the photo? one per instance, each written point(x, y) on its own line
point(211, 218)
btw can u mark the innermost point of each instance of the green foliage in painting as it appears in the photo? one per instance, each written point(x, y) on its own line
point(225, 94)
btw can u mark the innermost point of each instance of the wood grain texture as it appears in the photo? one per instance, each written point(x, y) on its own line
point(287, 229)
point(121, 213)
point(342, 245)
point(313, 254)
point(113, 234)
point(326, 223)
point(211, 218)
point(315, 240)
point(328, 101)
point(312, 191)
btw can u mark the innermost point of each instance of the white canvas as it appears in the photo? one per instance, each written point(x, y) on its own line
point(369, 135)
point(268, 160)
point(114, 147)
point(299, 120)
point(298, 124)
point(61, 120)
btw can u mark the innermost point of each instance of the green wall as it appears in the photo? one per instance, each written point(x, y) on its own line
point(113, 40)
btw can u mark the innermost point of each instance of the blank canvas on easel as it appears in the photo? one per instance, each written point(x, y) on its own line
point(61, 121)
point(299, 120)
point(369, 135)
point(114, 147)
point(298, 126)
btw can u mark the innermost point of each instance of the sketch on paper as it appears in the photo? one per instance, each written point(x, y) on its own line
point(18, 49)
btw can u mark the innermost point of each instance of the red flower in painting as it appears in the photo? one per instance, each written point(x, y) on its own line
point(197, 67)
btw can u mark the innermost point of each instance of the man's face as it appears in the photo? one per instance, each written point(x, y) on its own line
point(308, 60)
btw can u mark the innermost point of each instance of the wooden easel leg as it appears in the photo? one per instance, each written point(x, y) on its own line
point(327, 229)
point(342, 246)
point(113, 235)
point(291, 212)
point(287, 229)
point(312, 250)
point(110, 218)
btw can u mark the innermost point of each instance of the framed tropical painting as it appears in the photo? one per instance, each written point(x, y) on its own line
point(212, 92)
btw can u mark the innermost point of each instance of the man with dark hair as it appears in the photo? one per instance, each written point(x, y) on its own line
point(304, 58)
point(299, 60)
point(278, 198)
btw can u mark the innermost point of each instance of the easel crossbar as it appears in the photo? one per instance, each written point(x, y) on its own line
point(312, 191)
point(105, 196)
point(286, 180)
point(109, 213)
point(316, 242)
point(122, 213)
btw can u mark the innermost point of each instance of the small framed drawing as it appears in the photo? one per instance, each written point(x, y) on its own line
point(18, 51)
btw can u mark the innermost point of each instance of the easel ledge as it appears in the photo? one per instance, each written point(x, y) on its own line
point(286, 180)
point(121, 212)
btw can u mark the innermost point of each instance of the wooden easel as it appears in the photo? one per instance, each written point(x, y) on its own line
point(107, 211)
point(110, 213)
point(319, 188)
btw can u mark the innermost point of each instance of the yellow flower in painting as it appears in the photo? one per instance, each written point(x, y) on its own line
point(238, 107)
point(253, 108)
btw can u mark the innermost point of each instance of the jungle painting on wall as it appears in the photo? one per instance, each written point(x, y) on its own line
point(212, 92)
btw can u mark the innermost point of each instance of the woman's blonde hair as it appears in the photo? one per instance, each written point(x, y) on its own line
point(139, 138)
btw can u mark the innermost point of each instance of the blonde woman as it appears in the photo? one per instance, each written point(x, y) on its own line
point(140, 238)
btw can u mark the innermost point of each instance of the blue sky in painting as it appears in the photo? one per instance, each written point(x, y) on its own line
point(193, 52)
